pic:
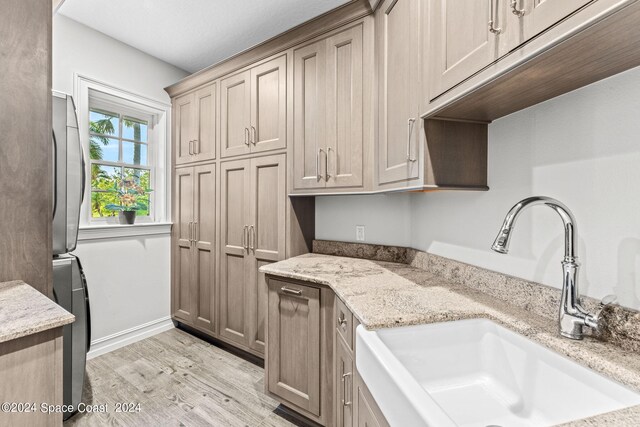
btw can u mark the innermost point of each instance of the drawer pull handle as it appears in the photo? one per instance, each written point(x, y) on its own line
point(291, 291)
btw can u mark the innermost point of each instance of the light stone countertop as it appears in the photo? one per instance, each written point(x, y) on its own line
point(385, 294)
point(25, 311)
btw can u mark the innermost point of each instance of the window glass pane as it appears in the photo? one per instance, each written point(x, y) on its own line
point(134, 154)
point(104, 177)
point(99, 202)
point(103, 148)
point(134, 129)
point(104, 123)
point(137, 182)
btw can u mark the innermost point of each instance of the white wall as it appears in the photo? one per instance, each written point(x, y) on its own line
point(80, 49)
point(129, 288)
point(582, 148)
point(128, 277)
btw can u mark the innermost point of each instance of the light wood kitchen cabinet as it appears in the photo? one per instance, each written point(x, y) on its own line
point(492, 29)
point(344, 383)
point(367, 413)
point(253, 109)
point(194, 236)
point(253, 218)
point(538, 15)
point(461, 41)
point(299, 368)
point(195, 131)
point(398, 42)
point(328, 111)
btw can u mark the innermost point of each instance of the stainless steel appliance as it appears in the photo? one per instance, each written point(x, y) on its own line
point(69, 284)
point(70, 291)
point(68, 174)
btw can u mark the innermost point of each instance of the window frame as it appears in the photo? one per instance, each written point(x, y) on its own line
point(111, 108)
point(90, 93)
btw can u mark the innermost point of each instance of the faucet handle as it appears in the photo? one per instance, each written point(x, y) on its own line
point(595, 321)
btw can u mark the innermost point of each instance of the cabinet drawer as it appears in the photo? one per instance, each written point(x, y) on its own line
point(344, 322)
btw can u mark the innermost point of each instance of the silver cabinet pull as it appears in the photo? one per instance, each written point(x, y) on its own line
point(196, 232)
point(191, 148)
point(318, 176)
point(514, 9)
point(190, 233)
point(196, 146)
point(321, 151)
point(326, 165)
point(254, 134)
point(245, 245)
point(291, 291)
point(345, 401)
point(252, 238)
point(492, 16)
point(410, 123)
point(246, 136)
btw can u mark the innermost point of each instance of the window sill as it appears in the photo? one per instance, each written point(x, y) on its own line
point(111, 231)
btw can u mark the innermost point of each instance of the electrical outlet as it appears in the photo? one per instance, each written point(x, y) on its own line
point(360, 233)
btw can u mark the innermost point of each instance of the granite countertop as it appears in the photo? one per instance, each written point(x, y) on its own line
point(386, 294)
point(25, 311)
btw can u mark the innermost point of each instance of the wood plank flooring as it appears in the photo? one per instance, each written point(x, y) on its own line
point(179, 380)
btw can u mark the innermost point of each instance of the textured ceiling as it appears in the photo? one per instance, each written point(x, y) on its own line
point(193, 34)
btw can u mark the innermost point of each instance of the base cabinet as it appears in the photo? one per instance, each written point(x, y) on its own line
point(298, 366)
point(310, 364)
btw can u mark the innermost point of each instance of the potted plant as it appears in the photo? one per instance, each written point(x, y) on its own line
point(129, 195)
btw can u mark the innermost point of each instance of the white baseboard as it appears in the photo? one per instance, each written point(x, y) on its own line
point(120, 339)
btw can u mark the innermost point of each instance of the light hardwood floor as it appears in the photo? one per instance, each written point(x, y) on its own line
point(179, 380)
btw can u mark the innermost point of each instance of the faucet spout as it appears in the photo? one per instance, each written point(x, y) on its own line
point(501, 244)
point(572, 316)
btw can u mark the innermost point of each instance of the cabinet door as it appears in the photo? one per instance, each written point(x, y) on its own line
point(294, 344)
point(344, 384)
point(204, 142)
point(366, 417)
point(344, 108)
point(266, 237)
point(399, 83)
point(184, 127)
point(269, 105)
point(460, 43)
point(181, 299)
point(542, 14)
point(309, 114)
point(235, 114)
point(204, 236)
point(235, 180)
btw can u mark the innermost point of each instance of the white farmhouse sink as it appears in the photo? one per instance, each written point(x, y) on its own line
point(477, 373)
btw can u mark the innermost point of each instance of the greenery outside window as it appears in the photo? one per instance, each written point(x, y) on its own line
point(120, 150)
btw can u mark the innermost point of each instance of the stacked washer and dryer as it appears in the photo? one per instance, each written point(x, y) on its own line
point(69, 284)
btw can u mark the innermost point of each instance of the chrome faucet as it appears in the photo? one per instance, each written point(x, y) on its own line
point(572, 316)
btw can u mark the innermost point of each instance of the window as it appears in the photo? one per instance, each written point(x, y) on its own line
point(125, 141)
point(119, 147)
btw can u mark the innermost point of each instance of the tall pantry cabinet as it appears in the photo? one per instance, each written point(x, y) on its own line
point(231, 213)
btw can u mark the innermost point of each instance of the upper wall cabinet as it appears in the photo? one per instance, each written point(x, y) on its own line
point(398, 37)
point(461, 40)
point(538, 15)
point(253, 109)
point(328, 112)
point(195, 125)
point(492, 29)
